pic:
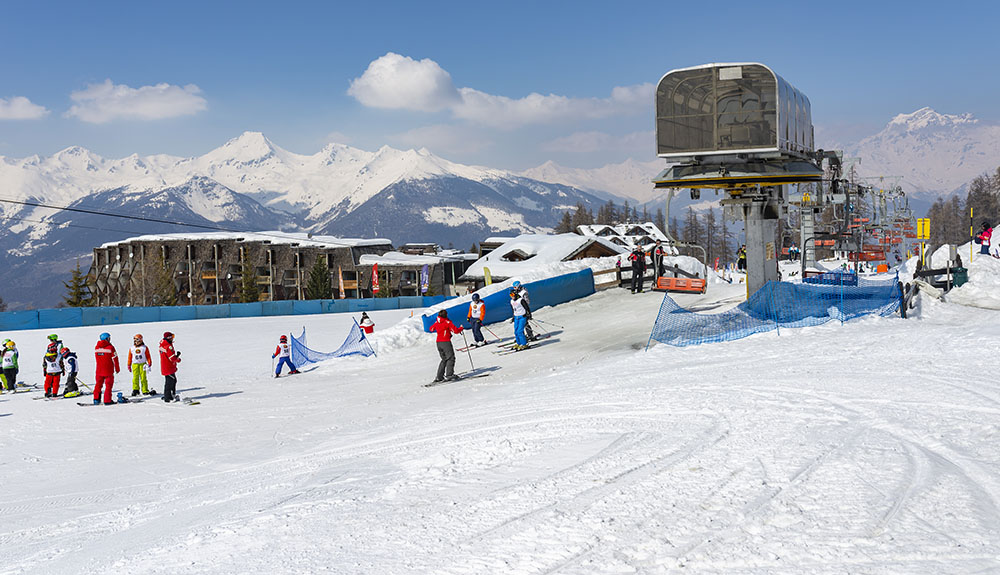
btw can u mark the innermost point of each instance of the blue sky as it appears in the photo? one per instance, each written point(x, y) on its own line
point(508, 85)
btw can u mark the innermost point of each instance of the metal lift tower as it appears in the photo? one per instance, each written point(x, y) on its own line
point(738, 128)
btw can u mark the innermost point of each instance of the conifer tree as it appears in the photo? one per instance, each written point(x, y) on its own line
point(565, 225)
point(160, 282)
point(77, 291)
point(249, 290)
point(318, 286)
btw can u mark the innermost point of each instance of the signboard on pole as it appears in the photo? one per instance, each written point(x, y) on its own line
point(340, 279)
point(425, 278)
point(486, 274)
point(375, 278)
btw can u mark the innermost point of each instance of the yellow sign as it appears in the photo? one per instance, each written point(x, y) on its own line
point(923, 228)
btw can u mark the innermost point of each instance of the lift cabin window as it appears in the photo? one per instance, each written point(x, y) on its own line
point(717, 109)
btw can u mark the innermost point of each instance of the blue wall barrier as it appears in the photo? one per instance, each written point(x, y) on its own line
point(77, 317)
point(542, 293)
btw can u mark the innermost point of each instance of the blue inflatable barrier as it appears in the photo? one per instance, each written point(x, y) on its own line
point(140, 314)
point(64, 317)
point(12, 320)
point(98, 316)
point(542, 293)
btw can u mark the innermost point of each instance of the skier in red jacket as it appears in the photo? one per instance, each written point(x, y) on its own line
point(169, 358)
point(444, 329)
point(107, 367)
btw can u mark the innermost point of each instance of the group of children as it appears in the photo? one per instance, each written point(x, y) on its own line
point(59, 362)
point(520, 306)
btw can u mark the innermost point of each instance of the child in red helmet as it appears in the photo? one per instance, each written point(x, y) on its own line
point(52, 369)
point(169, 358)
point(284, 353)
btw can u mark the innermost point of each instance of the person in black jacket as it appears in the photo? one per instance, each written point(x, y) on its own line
point(638, 259)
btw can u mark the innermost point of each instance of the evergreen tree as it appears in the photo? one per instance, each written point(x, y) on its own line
point(77, 291)
point(645, 214)
point(565, 225)
point(249, 290)
point(693, 230)
point(660, 222)
point(626, 211)
point(675, 229)
point(581, 217)
point(711, 231)
point(318, 285)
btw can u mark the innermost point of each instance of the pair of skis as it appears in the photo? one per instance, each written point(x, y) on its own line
point(461, 376)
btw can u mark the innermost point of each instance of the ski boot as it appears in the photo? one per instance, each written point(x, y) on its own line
point(135, 392)
point(151, 392)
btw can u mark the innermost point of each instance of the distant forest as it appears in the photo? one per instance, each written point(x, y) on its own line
point(950, 218)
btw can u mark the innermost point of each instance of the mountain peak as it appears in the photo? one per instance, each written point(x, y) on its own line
point(926, 117)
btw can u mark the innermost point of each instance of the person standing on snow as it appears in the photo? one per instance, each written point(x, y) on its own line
point(658, 254)
point(69, 360)
point(444, 329)
point(522, 313)
point(107, 366)
point(477, 313)
point(523, 293)
point(52, 370)
point(8, 363)
point(169, 358)
point(983, 239)
point(638, 259)
point(284, 352)
point(741, 258)
point(366, 323)
point(138, 359)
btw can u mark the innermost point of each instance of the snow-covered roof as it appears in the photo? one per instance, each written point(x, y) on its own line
point(275, 238)
point(496, 240)
point(401, 259)
point(537, 251)
point(632, 234)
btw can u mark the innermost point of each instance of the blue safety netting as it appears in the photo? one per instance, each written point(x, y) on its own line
point(774, 306)
point(355, 344)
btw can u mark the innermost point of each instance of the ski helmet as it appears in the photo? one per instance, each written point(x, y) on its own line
point(516, 284)
point(986, 224)
point(53, 337)
point(475, 297)
point(9, 344)
point(64, 352)
point(137, 336)
point(105, 336)
point(168, 336)
point(443, 313)
point(52, 349)
point(283, 338)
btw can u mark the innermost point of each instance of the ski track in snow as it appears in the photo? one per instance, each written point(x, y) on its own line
point(868, 447)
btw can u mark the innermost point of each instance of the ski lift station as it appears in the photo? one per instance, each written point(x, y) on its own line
point(742, 129)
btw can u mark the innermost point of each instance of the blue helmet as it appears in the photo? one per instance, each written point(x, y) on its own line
point(105, 336)
point(475, 297)
point(516, 284)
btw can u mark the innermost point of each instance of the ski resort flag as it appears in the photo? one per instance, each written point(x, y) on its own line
point(340, 278)
point(425, 278)
point(487, 276)
point(375, 278)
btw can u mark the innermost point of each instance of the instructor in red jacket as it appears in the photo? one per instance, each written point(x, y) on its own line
point(107, 367)
point(169, 358)
point(444, 329)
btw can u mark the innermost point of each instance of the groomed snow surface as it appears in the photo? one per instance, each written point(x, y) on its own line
point(867, 447)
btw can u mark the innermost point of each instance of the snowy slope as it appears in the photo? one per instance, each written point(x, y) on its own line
point(631, 179)
point(869, 447)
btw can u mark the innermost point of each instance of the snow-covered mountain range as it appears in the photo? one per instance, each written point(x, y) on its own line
point(936, 154)
point(251, 184)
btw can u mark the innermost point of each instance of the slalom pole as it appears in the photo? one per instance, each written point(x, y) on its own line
point(548, 323)
point(467, 350)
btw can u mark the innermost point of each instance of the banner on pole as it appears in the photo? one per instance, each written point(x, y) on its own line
point(340, 279)
point(375, 278)
point(425, 278)
point(486, 274)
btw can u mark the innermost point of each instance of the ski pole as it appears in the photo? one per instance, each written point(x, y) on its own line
point(467, 350)
point(549, 323)
point(538, 327)
point(491, 332)
point(272, 367)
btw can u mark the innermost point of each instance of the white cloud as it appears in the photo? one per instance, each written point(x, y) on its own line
point(398, 82)
point(20, 108)
point(589, 142)
point(100, 103)
point(443, 139)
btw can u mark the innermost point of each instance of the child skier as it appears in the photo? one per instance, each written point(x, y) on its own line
point(52, 370)
point(477, 313)
point(8, 362)
point(69, 359)
point(138, 359)
point(367, 325)
point(522, 292)
point(444, 329)
point(169, 358)
point(522, 312)
point(107, 366)
point(284, 352)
